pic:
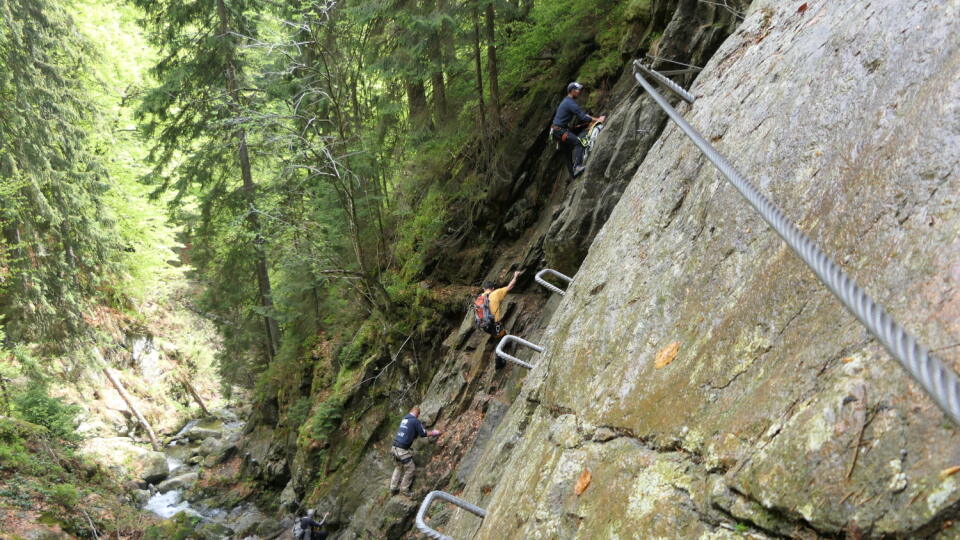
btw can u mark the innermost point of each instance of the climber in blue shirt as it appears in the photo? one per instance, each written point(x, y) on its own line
point(567, 124)
point(410, 429)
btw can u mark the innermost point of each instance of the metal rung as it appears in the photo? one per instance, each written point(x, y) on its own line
point(507, 339)
point(674, 87)
point(425, 506)
point(539, 279)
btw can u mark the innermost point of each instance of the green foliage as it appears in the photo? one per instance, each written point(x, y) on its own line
point(39, 471)
point(323, 421)
point(36, 407)
point(179, 527)
point(66, 495)
point(298, 413)
point(56, 243)
point(638, 10)
point(418, 234)
point(354, 352)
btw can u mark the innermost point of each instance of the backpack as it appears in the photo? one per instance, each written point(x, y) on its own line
point(297, 530)
point(483, 315)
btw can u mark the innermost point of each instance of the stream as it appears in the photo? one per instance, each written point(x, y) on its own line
point(199, 446)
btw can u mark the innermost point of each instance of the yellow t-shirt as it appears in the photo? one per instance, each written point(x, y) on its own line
point(496, 298)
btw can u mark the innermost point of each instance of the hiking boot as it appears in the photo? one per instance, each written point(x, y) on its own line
point(408, 493)
point(578, 171)
point(394, 491)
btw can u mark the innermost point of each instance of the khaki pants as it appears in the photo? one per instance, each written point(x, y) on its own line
point(405, 468)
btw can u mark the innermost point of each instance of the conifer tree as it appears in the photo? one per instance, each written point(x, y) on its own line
point(56, 244)
point(201, 117)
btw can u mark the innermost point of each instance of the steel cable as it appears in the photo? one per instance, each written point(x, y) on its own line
point(940, 382)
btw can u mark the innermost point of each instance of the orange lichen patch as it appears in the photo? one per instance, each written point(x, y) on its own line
point(583, 482)
point(847, 360)
point(950, 471)
point(666, 355)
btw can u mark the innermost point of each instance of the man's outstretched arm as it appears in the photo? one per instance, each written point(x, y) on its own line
point(514, 280)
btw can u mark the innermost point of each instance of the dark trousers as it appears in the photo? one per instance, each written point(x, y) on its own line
point(570, 144)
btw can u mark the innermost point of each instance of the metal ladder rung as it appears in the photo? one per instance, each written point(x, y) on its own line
point(442, 495)
point(539, 279)
point(507, 339)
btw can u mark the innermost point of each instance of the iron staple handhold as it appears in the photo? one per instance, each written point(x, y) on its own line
point(442, 495)
point(507, 339)
point(539, 279)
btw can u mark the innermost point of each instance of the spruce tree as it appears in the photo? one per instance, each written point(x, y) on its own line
point(201, 116)
point(56, 244)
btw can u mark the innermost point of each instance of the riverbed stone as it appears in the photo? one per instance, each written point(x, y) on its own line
point(199, 434)
point(217, 451)
point(184, 481)
point(248, 520)
point(141, 496)
point(127, 458)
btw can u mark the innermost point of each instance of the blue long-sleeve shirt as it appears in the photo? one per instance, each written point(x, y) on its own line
point(567, 111)
point(410, 429)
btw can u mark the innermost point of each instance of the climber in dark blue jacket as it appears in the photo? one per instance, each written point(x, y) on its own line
point(567, 124)
point(410, 429)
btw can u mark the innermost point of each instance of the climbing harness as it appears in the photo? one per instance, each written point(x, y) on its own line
point(509, 339)
point(442, 495)
point(937, 380)
point(589, 141)
point(539, 279)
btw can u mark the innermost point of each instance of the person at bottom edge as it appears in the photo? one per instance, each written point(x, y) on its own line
point(410, 429)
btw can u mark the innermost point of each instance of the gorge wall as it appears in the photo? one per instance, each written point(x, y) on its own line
point(779, 416)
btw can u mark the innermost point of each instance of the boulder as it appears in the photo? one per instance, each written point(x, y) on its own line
point(184, 481)
point(217, 451)
point(128, 459)
point(141, 496)
point(247, 520)
point(181, 470)
point(199, 434)
point(288, 497)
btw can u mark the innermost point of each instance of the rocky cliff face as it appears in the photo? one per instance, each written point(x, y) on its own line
point(778, 416)
point(540, 214)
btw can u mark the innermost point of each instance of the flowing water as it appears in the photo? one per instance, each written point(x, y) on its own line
point(179, 453)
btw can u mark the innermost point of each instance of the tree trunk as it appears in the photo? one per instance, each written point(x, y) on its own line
point(477, 64)
point(4, 396)
point(492, 64)
point(136, 412)
point(417, 103)
point(437, 63)
point(196, 396)
point(439, 96)
point(271, 329)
